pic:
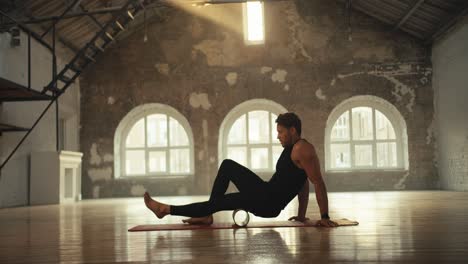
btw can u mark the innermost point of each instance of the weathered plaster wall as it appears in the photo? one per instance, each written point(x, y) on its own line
point(196, 62)
point(450, 59)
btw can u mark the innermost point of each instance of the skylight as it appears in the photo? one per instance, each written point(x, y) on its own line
point(253, 22)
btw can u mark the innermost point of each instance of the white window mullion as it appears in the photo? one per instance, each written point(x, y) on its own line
point(168, 148)
point(264, 145)
point(399, 149)
point(168, 169)
point(146, 147)
point(385, 141)
point(168, 132)
point(357, 141)
point(123, 165)
point(374, 145)
point(173, 147)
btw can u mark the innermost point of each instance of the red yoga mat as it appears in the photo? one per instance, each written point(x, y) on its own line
point(272, 224)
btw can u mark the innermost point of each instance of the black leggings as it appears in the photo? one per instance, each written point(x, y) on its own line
point(252, 195)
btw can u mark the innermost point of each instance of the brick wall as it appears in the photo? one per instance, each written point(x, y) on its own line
point(310, 62)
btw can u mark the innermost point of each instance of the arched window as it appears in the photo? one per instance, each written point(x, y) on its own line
point(153, 140)
point(365, 132)
point(248, 135)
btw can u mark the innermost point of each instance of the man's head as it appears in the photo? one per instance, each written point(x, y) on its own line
point(289, 128)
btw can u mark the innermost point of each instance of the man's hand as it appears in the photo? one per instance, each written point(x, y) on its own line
point(326, 223)
point(298, 218)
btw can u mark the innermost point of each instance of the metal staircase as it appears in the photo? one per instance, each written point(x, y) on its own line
point(10, 91)
point(95, 46)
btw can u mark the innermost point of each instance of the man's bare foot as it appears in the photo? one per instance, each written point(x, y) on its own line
point(159, 209)
point(207, 220)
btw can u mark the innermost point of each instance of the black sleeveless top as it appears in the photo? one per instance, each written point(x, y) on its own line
point(288, 179)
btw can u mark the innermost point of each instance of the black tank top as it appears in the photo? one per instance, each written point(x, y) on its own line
point(288, 179)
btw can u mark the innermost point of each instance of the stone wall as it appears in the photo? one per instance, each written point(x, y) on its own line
point(310, 62)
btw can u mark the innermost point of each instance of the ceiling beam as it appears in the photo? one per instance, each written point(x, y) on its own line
point(75, 5)
point(408, 14)
point(95, 21)
point(55, 21)
point(59, 38)
point(214, 2)
point(37, 20)
point(445, 27)
point(106, 10)
point(66, 43)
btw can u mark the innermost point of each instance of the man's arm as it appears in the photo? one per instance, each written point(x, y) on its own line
point(303, 198)
point(309, 161)
point(315, 177)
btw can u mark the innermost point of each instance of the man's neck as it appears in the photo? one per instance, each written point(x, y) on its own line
point(296, 140)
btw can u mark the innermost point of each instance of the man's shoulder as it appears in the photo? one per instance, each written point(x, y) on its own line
point(303, 147)
point(303, 144)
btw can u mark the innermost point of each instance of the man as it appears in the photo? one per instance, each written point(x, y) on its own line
point(297, 162)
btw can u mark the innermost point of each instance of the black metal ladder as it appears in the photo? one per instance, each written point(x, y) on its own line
point(95, 46)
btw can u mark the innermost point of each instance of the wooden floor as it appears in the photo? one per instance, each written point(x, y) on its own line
point(403, 227)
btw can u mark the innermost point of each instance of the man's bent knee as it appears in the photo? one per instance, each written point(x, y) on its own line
point(228, 163)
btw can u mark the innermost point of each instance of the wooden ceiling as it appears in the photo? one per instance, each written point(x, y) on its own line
point(424, 19)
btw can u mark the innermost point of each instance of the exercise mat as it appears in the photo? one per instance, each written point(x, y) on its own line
point(270, 224)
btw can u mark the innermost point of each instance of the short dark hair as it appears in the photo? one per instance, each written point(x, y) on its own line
point(289, 120)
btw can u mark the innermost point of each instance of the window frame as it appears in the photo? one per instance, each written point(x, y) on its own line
point(394, 117)
point(237, 112)
point(127, 124)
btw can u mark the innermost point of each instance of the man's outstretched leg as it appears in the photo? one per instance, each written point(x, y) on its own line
point(201, 210)
point(159, 209)
point(244, 179)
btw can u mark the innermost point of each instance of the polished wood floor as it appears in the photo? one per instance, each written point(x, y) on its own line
point(402, 227)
